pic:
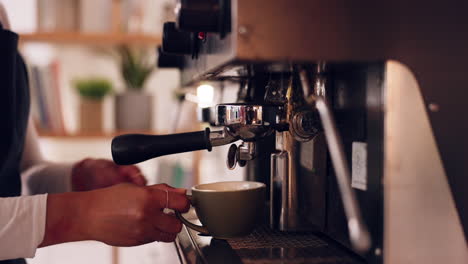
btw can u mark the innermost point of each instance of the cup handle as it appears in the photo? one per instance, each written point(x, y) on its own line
point(193, 226)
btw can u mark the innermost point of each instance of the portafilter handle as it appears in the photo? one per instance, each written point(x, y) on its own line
point(134, 148)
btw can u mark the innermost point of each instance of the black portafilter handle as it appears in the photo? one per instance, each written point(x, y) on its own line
point(135, 148)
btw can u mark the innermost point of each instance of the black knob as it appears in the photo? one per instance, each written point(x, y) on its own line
point(199, 15)
point(167, 60)
point(177, 42)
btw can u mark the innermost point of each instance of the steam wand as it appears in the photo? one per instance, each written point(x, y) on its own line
point(358, 232)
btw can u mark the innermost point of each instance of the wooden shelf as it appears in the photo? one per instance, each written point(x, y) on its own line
point(91, 38)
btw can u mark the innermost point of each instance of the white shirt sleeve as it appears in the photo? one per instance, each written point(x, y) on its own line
point(41, 176)
point(23, 219)
point(22, 225)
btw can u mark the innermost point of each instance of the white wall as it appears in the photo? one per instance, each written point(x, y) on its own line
point(22, 14)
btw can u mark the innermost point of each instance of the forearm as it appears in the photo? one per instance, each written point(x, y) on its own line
point(121, 215)
point(29, 222)
point(67, 218)
point(22, 221)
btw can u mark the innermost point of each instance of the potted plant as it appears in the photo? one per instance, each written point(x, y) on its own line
point(134, 107)
point(92, 92)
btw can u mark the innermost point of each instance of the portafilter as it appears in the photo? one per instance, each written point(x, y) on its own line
point(247, 122)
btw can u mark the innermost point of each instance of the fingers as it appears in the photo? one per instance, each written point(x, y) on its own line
point(178, 202)
point(168, 223)
point(170, 199)
point(132, 174)
point(164, 186)
point(151, 234)
point(158, 235)
point(99, 163)
point(165, 227)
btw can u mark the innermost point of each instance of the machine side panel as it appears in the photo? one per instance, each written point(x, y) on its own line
point(421, 221)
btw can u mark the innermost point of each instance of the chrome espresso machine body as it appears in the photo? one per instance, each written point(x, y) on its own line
point(346, 111)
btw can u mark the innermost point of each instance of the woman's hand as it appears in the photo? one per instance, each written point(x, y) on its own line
point(91, 174)
point(122, 215)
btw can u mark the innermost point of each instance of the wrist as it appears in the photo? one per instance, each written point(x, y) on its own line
point(77, 182)
point(67, 218)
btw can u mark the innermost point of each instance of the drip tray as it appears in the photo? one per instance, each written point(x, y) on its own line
point(268, 246)
point(263, 246)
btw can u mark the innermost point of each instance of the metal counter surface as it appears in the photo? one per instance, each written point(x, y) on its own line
point(261, 247)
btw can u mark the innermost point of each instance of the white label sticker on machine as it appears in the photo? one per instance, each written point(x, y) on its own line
point(359, 166)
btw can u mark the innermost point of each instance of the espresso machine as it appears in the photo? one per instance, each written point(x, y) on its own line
point(345, 110)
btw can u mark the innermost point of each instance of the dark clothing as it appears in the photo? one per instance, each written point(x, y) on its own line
point(14, 112)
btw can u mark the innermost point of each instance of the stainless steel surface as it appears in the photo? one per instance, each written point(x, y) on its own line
point(320, 80)
point(179, 249)
point(247, 121)
point(263, 246)
point(222, 137)
point(307, 90)
point(317, 85)
point(283, 193)
point(287, 180)
point(315, 96)
point(305, 125)
point(199, 228)
point(421, 220)
point(231, 160)
point(188, 245)
point(279, 170)
point(247, 151)
point(358, 233)
point(234, 115)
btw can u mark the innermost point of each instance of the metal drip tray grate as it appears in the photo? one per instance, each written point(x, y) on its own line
point(267, 238)
point(263, 246)
point(268, 246)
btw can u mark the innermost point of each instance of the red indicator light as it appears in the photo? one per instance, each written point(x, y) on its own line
point(202, 35)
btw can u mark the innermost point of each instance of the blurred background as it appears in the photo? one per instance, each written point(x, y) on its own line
point(93, 75)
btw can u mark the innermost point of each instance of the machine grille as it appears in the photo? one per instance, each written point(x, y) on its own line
point(269, 246)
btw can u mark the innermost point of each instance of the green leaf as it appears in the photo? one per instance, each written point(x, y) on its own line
point(93, 88)
point(134, 66)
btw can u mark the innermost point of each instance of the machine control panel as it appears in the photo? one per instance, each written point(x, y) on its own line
point(168, 60)
point(198, 15)
point(178, 42)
